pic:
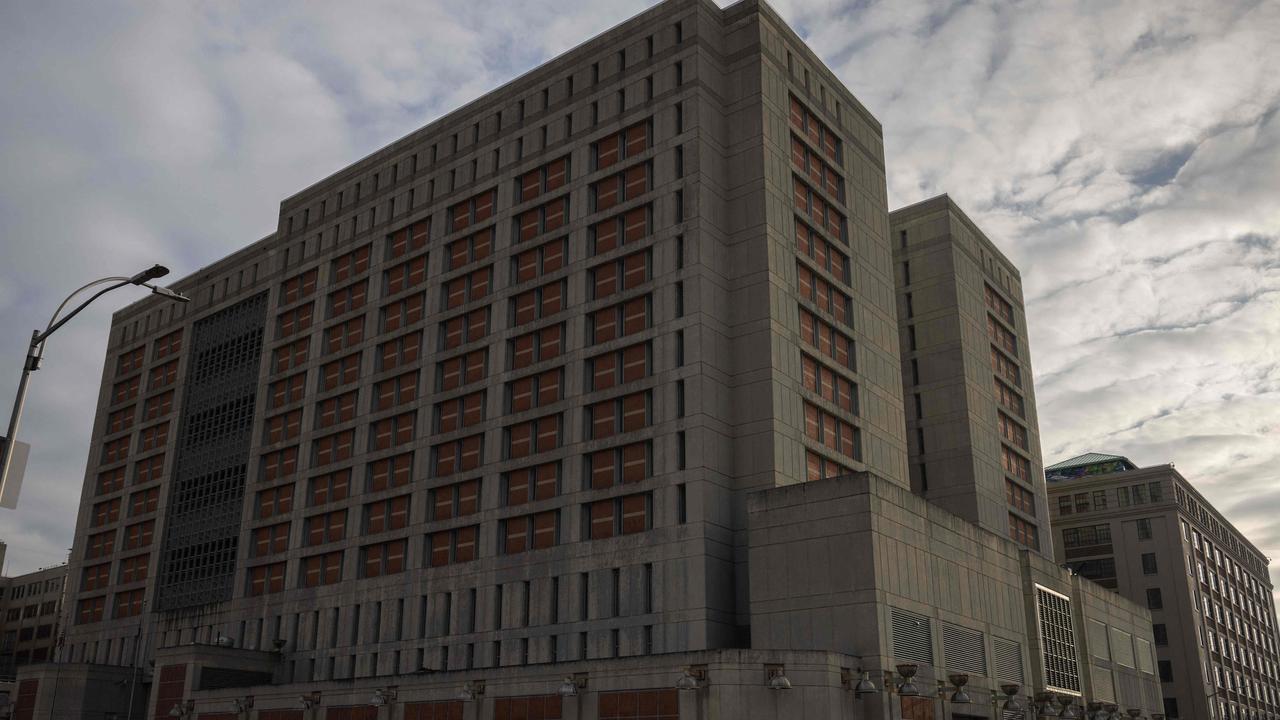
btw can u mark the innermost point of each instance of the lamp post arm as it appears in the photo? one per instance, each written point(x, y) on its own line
point(40, 337)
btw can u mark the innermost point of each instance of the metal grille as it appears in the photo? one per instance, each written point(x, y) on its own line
point(198, 556)
point(1061, 669)
point(963, 650)
point(912, 636)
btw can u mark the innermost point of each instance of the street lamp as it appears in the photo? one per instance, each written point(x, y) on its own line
point(35, 351)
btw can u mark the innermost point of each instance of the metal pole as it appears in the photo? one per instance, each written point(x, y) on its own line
point(32, 363)
point(133, 673)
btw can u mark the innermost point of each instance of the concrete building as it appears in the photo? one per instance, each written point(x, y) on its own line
point(517, 407)
point(973, 438)
point(1149, 535)
point(30, 608)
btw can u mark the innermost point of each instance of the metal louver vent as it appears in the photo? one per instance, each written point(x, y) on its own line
point(963, 651)
point(1057, 641)
point(1098, 645)
point(1122, 647)
point(1104, 687)
point(1007, 657)
point(912, 636)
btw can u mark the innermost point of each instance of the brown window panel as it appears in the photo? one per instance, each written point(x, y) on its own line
point(329, 487)
point(455, 500)
point(275, 501)
point(279, 463)
point(390, 472)
point(265, 579)
point(383, 558)
point(462, 370)
point(298, 287)
point(408, 274)
point(350, 265)
point(325, 528)
point(292, 355)
point(459, 455)
point(408, 239)
point(344, 335)
point(473, 248)
point(473, 210)
point(384, 515)
point(291, 322)
point(270, 540)
point(539, 482)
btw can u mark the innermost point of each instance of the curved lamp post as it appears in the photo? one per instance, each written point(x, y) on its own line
point(35, 351)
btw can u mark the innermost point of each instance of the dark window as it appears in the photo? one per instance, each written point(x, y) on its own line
point(1160, 633)
point(1166, 671)
point(1149, 564)
point(1144, 529)
point(1155, 600)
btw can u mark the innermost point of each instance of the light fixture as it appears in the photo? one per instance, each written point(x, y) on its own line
point(244, 704)
point(309, 701)
point(223, 641)
point(907, 687)
point(1134, 712)
point(471, 690)
point(1011, 703)
point(167, 293)
point(958, 681)
point(383, 696)
point(864, 685)
point(151, 273)
point(1069, 711)
point(572, 685)
point(182, 709)
point(775, 678)
point(693, 678)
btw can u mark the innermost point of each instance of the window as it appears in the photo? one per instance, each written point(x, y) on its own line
point(630, 226)
point(461, 370)
point(618, 367)
point(536, 346)
point(817, 211)
point(1020, 498)
point(618, 415)
point(384, 515)
point(456, 500)
point(467, 250)
point(1144, 528)
point(827, 257)
point(545, 218)
point(270, 540)
point(292, 355)
point(533, 436)
point(627, 185)
point(383, 558)
point(279, 463)
point(1005, 368)
point(410, 273)
point(473, 210)
point(166, 374)
point(265, 579)
point(323, 569)
point(545, 258)
point(621, 320)
point(325, 528)
point(1149, 564)
point(395, 391)
point(402, 313)
point(343, 371)
point(274, 501)
point(1100, 499)
point(467, 288)
point(457, 455)
point(452, 546)
point(390, 472)
point(535, 390)
point(1160, 633)
point(625, 515)
point(1155, 599)
point(1061, 670)
point(629, 143)
point(539, 482)
point(810, 164)
point(547, 178)
point(333, 448)
point(619, 465)
point(537, 303)
point(408, 239)
point(825, 296)
point(1064, 505)
point(819, 334)
point(1023, 532)
point(349, 298)
point(149, 469)
point(530, 532)
point(832, 432)
point(459, 412)
point(130, 361)
point(329, 412)
point(330, 487)
point(465, 328)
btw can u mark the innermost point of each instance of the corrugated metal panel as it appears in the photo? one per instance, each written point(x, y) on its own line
point(912, 636)
point(963, 650)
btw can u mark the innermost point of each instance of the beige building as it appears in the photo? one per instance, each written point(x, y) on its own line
point(972, 434)
point(1149, 535)
point(531, 407)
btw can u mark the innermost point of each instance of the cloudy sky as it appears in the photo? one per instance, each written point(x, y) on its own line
point(1125, 155)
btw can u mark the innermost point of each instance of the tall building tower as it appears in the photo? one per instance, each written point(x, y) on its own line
point(587, 391)
point(567, 325)
point(1148, 534)
point(973, 437)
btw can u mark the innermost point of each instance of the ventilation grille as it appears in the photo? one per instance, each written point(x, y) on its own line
point(203, 516)
point(1104, 687)
point(912, 636)
point(963, 651)
point(1098, 645)
point(1144, 656)
point(1057, 640)
point(1008, 660)
point(1122, 647)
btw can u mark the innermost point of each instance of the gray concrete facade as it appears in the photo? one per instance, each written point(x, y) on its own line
point(972, 429)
